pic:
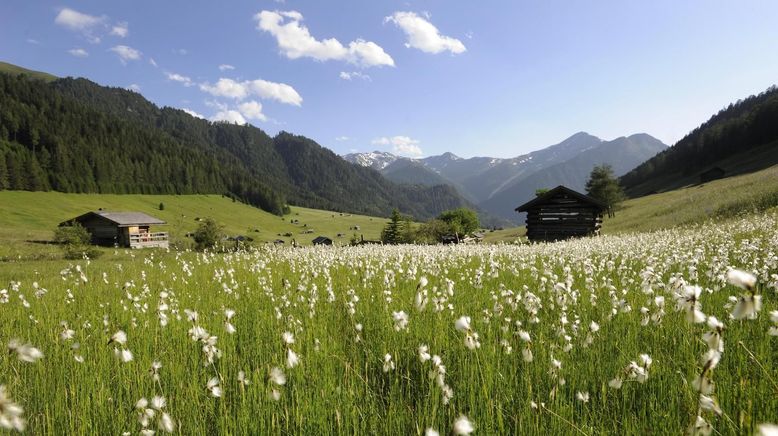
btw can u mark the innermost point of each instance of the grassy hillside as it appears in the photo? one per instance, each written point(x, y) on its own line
point(33, 216)
point(15, 70)
point(718, 199)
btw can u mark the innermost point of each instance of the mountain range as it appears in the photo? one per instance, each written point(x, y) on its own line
point(498, 185)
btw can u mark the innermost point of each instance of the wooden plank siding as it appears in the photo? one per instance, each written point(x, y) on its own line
point(562, 213)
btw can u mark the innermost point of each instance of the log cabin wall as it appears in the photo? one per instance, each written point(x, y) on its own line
point(561, 214)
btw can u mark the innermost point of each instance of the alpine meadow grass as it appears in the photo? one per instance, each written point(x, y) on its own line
point(651, 333)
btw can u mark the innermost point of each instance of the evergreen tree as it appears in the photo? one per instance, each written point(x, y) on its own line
point(603, 185)
point(393, 229)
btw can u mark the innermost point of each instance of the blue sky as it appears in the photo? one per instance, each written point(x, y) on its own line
point(493, 78)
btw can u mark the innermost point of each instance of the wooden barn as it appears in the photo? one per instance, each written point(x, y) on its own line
point(322, 240)
point(122, 229)
point(562, 213)
point(712, 174)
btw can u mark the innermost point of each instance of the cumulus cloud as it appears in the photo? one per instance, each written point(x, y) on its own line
point(192, 113)
point(77, 21)
point(126, 53)
point(78, 52)
point(342, 138)
point(252, 110)
point(229, 116)
point(184, 80)
point(85, 24)
point(423, 35)
point(260, 88)
point(295, 41)
point(345, 75)
point(120, 29)
point(225, 67)
point(134, 87)
point(401, 145)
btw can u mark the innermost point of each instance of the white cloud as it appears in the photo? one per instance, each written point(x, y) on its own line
point(78, 52)
point(192, 113)
point(295, 41)
point(342, 138)
point(126, 53)
point(229, 116)
point(184, 80)
point(33, 41)
point(226, 88)
point(181, 51)
point(401, 145)
point(134, 87)
point(345, 75)
point(79, 22)
point(153, 62)
point(423, 35)
point(225, 67)
point(252, 110)
point(261, 88)
point(120, 29)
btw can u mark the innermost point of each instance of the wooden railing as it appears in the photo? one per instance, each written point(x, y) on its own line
point(156, 239)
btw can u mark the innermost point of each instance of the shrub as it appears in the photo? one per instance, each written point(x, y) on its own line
point(75, 242)
point(208, 234)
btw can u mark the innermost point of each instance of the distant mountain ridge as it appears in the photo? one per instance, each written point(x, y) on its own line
point(498, 185)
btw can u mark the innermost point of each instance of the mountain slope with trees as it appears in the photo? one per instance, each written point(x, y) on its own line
point(740, 138)
point(72, 135)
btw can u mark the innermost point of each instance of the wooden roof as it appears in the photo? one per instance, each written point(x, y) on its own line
point(321, 239)
point(121, 219)
point(541, 199)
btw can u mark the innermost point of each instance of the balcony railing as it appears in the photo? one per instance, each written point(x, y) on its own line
point(156, 239)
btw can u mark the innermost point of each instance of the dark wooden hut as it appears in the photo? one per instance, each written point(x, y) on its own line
point(712, 174)
point(123, 229)
point(322, 240)
point(562, 213)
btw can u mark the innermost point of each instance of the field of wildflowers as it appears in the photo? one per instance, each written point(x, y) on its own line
point(652, 333)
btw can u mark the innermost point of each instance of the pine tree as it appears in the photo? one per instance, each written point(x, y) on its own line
point(392, 230)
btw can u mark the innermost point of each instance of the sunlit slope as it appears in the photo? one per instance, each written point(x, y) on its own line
point(30, 216)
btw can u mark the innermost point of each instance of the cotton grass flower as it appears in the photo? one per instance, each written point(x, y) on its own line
point(120, 337)
point(277, 376)
point(388, 363)
point(292, 359)
point(767, 430)
point(242, 379)
point(741, 279)
point(213, 387)
point(429, 431)
point(773, 331)
point(424, 354)
point(462, 324)
point(10, 413)
point(463, 426)
point(400, 321)
point(24, 351)
point(582, 396)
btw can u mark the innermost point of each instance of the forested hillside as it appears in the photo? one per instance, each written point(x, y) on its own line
point(741, 138)
point(72, 135)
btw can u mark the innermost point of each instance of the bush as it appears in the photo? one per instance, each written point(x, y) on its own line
point(75, 242)
point(208, 234)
